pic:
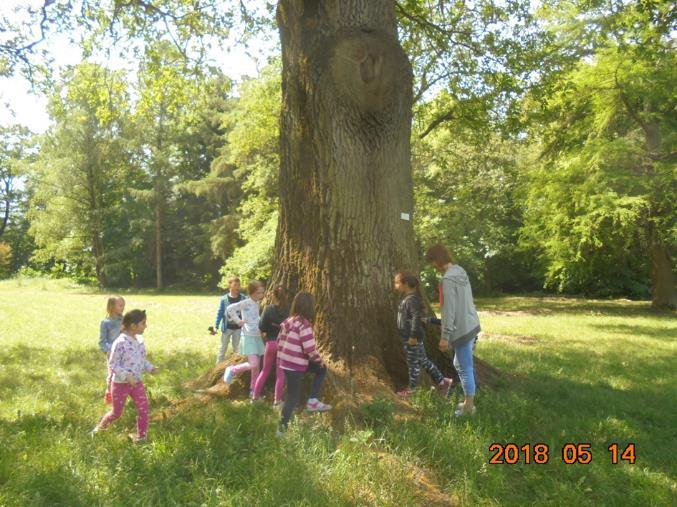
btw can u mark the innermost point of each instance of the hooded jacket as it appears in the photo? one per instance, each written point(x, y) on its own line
point(460, 322)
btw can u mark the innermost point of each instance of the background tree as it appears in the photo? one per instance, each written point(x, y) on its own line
point(16, 151)
point(604, 192)
point(78, 213)
point(468, 187)
point(168, 93)
point(252, 149)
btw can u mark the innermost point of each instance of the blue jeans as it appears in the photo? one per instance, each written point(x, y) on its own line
point(463, 363)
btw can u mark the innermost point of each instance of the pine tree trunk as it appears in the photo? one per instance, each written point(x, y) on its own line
point(95, 226)
point(346, 190)
point(158, 234)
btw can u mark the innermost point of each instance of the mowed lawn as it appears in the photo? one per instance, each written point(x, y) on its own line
point(594, 372)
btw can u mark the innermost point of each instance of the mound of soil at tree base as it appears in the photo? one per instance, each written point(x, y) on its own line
point(345, 390)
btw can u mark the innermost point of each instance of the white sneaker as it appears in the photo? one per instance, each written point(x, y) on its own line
point(460, 411)
point(228, 375)
point(317, 406)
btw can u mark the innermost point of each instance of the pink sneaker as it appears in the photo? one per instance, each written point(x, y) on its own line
point(405, 393)
point(444, 386)
point(317, 406)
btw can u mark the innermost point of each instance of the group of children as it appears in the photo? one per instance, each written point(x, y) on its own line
point(290, 346)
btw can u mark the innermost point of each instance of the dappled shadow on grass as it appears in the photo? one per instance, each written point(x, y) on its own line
point(223, 453)
point(56, 380)
point(638, 330)
point(555, 411)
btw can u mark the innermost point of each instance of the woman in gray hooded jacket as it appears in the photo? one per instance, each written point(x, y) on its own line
point(460, 322)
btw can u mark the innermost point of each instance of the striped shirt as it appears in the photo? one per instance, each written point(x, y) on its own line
point(296, 344)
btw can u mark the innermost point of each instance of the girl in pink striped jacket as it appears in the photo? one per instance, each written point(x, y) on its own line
point(297, 354)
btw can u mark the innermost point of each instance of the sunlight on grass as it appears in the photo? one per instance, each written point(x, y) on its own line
point(583, 371)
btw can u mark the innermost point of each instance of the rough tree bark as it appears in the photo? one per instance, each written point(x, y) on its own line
point(346, 190)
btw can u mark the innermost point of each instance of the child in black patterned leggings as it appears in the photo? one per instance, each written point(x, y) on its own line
point(411, 332)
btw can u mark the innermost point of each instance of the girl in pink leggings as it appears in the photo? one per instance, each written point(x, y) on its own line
point(127, 361)
point(273, 315)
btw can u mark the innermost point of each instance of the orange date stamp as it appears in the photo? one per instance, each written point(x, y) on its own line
point(570, 453)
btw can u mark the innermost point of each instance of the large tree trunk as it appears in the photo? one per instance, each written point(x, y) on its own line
point(663, 293)
point(346, 191)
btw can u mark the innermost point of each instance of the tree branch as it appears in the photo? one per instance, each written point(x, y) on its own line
point(448, 116)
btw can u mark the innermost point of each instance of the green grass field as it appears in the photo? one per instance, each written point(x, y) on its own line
point(583, 371)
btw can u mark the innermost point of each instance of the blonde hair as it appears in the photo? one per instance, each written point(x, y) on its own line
point(110, 306)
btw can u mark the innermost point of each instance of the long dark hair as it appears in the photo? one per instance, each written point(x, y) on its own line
point(303, 306)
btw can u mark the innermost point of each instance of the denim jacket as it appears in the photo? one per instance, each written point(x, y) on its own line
point(108, 332)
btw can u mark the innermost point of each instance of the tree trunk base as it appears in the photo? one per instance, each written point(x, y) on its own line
point(346, 391)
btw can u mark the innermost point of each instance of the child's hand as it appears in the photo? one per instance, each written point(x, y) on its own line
point(131, 381)
point(413, 341)
point(241, 323)
point(444, 345)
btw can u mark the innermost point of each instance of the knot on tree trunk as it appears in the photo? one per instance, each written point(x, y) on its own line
point(364, 68)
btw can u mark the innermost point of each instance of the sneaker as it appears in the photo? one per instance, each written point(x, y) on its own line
point(281, 433)
point(277, 405)
point(317, 406)
point(460, 411)
point(405, 393)
point(445, 386)
point(228, 375)
point(94, 431)
point(136, 438)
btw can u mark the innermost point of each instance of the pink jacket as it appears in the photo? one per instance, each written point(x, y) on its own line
point(296, 344)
